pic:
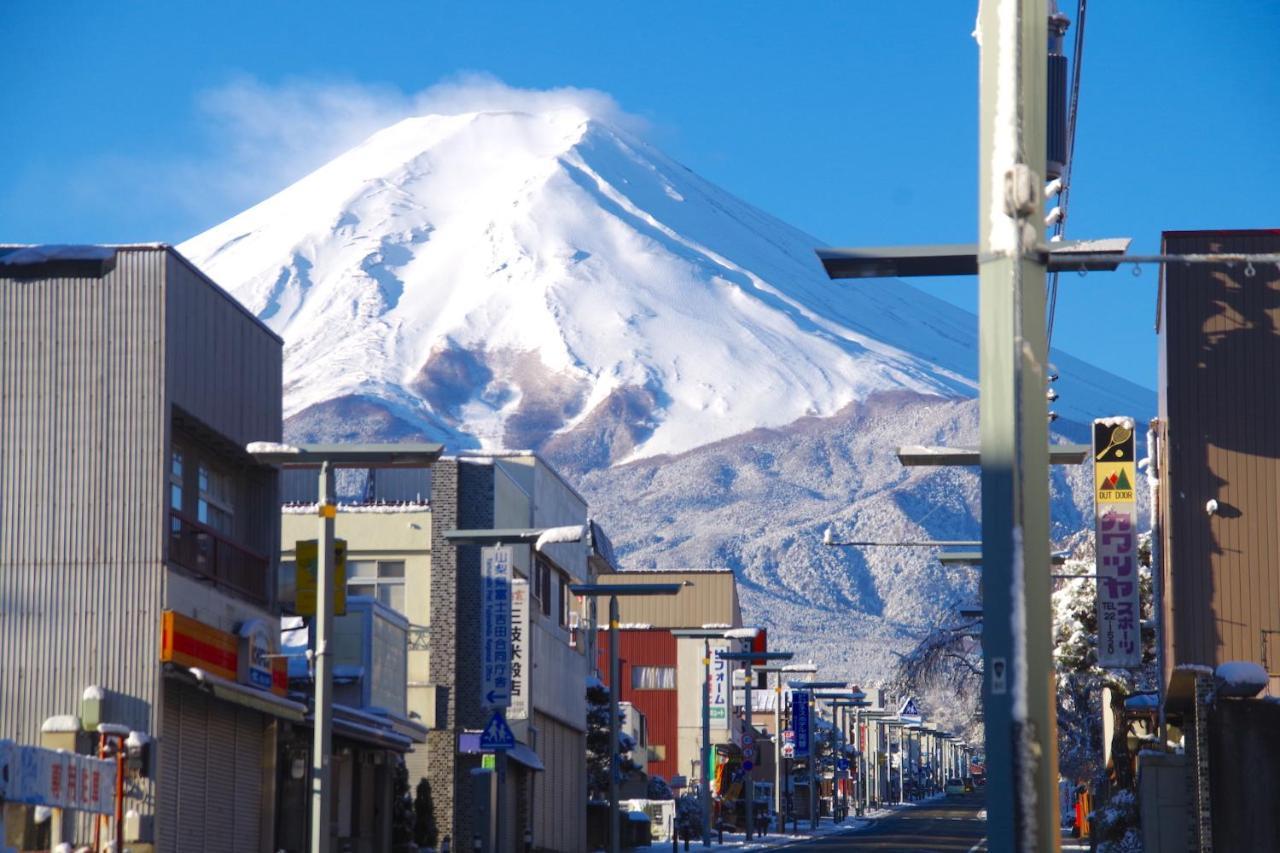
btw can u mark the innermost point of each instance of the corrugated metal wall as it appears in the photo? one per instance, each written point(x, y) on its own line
point(1220, 424)
point(660, 707)
point(225, 371)
point(82, 477)
point(712, 599)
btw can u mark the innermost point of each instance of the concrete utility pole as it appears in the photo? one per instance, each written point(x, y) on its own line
point(1018, 685)
point(323, 661)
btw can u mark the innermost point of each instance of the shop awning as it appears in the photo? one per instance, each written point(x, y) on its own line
point(371, 735)
point(469, 744)
point(526, 756)
point(249, 697)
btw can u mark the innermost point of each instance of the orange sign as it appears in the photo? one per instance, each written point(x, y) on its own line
point(188, 642)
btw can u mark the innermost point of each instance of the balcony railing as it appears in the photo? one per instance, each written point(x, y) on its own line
point(203, 550)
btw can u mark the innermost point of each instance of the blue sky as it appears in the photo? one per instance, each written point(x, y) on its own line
point(855, 121)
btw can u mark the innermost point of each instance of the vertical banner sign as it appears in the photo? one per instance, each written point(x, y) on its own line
point(306, 554)
point(519, 709)
point(495, 627)
point(800, 721)
point(720, 689)
point(1116, 514)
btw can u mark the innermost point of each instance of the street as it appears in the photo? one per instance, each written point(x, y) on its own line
point(950, 824)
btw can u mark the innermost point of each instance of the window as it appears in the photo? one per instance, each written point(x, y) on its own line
point(175, 488)
point(379, 579)
point(657, 751)
point(215, 507)
point(565, 599)
point(541, 584)
point(653, 678)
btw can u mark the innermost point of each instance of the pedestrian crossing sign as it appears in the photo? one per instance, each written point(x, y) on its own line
point(910, 710)
point(497, 735)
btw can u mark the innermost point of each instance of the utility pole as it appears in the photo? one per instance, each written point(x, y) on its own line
point(1018, 685)
point(322, 715)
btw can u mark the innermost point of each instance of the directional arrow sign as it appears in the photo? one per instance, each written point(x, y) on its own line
point(497, 735)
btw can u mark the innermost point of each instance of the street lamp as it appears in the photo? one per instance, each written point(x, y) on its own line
point(809, 687)
point(748, 658)
point(704, 795)
point(327, 458)
point(790, 668)
point(539, 538)
point(613, 590)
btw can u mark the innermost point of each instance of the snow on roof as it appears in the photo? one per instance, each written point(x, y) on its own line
point(1194, 667)
point(272, 447)
point(560, 535)
point(113, 729)
point(628, 626)
point(1240, 678)
point(741, 633)
point(137, 739)
point(716, 625)
point(94, 692)
point(376, 508)
point(61, 723)
point(29, 255)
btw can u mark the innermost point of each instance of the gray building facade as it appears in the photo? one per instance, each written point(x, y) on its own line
point(129, 386)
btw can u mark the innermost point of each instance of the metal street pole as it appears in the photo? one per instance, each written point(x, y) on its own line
point(323, 663)
point(813, 756)
point(748, 782)
point(706, 745)
point(1018, 685)
point(858, 757)
point(615, 828)
point(777, 753)
point(902, 765)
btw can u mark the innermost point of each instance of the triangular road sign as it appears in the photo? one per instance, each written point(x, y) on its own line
point(910, 709)
point(497, 735)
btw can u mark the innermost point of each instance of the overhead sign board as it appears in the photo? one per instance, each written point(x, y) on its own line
point(1116, 530)
point(305, 555)
point(495, 626)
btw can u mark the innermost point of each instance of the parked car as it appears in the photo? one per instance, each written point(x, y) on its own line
point(955, 786)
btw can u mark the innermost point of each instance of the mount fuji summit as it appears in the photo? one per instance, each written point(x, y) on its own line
point(547, 280)
point(505, 279)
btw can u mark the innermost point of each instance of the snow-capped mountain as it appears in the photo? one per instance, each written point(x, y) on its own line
point(506, 279)
point(546, 280)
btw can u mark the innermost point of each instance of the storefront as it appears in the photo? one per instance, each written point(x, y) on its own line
point(223, 706)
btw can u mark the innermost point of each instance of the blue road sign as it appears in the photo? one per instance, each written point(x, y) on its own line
point(910, 710)
point(497, 735)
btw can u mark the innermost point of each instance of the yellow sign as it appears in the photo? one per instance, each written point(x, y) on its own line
point(305, 558)
point(1115, 482)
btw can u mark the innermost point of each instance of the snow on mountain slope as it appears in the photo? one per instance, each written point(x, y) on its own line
point(511, 279)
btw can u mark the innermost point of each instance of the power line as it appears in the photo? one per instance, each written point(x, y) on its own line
point(1064, 197)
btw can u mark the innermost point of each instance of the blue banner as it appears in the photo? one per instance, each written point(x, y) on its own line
point(800, 722)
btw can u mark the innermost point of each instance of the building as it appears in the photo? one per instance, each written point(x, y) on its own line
point(1218, 557)
point(397, 552)
point(1218, 436)
point(663, 676)
point(137, 582)
point(371, 730)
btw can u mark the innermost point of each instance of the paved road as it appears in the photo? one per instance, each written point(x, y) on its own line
point(950, 825)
